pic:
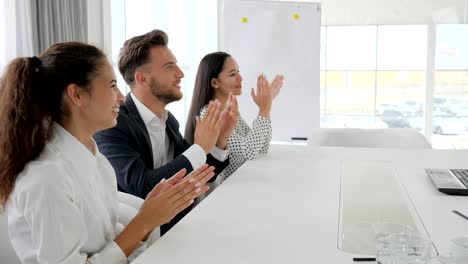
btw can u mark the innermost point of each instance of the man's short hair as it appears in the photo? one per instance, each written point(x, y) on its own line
point(135, 52)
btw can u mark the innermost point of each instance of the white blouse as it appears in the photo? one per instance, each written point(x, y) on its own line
point(64, 206)
point(245, 143)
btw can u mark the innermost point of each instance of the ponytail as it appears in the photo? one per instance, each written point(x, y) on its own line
point(23, 133)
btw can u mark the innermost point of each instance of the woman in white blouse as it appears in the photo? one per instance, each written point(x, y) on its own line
point(59, 192)
point(218, 78)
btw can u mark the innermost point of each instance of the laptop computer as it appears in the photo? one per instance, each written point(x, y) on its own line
point(450, 181)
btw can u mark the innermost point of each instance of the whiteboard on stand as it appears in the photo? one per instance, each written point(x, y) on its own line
point(276, 38)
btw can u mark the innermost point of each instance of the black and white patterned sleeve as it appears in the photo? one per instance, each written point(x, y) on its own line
point(249, 142)
point(203, 111)
point(266, 143)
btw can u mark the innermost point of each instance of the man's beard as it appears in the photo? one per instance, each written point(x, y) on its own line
point(166, 96)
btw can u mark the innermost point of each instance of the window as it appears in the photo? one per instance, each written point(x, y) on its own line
point(450, 121)
point(402, 47)
point(401, 75)
point(351, 48)
point(350, 92)
point(349, 74)
point(372, 71)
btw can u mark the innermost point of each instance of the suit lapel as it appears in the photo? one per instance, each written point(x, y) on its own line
point(174, 135)
point(135, 115)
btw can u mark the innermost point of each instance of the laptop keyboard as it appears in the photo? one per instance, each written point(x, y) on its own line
point(462, 175)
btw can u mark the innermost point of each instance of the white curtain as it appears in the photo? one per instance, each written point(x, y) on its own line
point(27, 27)
point(58, 21)
point(15, 30)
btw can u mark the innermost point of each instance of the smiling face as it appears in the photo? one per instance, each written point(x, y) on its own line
point(229, 79)
point(165, 75)
point(103, 99)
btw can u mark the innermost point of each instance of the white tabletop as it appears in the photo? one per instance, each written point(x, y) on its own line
point(284, 208)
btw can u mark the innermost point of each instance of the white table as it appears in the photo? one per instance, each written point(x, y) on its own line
point(284, 208)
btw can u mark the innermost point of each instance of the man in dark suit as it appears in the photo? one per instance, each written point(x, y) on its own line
point(146, 146)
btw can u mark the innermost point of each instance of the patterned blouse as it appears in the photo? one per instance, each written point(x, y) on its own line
point(245, 143)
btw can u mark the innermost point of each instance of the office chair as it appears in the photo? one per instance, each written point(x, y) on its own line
point(407, 138)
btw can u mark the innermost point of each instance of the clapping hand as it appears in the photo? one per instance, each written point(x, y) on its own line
point(207, 128)
point(263, 97)
point(276, 85)
point(170, 197)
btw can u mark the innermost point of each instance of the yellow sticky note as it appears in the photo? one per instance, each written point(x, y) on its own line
point(244, 20)
point(295, 16)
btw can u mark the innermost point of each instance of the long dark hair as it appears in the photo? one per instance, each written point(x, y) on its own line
point(210, 67)
point(31, 92)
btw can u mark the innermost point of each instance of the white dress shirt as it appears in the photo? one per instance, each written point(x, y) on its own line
point(64, 206)
point(163, 150)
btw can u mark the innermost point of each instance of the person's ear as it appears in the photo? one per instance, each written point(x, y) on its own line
point(214, 83)
point(74, 94)
point(141, 78)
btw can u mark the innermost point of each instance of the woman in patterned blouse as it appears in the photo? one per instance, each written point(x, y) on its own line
point(218, 78)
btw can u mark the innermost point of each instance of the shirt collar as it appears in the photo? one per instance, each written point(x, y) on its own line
point(73, 150)
point(146, 114)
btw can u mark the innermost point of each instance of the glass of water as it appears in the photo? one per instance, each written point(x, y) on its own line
point(381, 234)
point(409, 248)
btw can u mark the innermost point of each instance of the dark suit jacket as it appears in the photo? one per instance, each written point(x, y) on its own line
point(128, 148)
